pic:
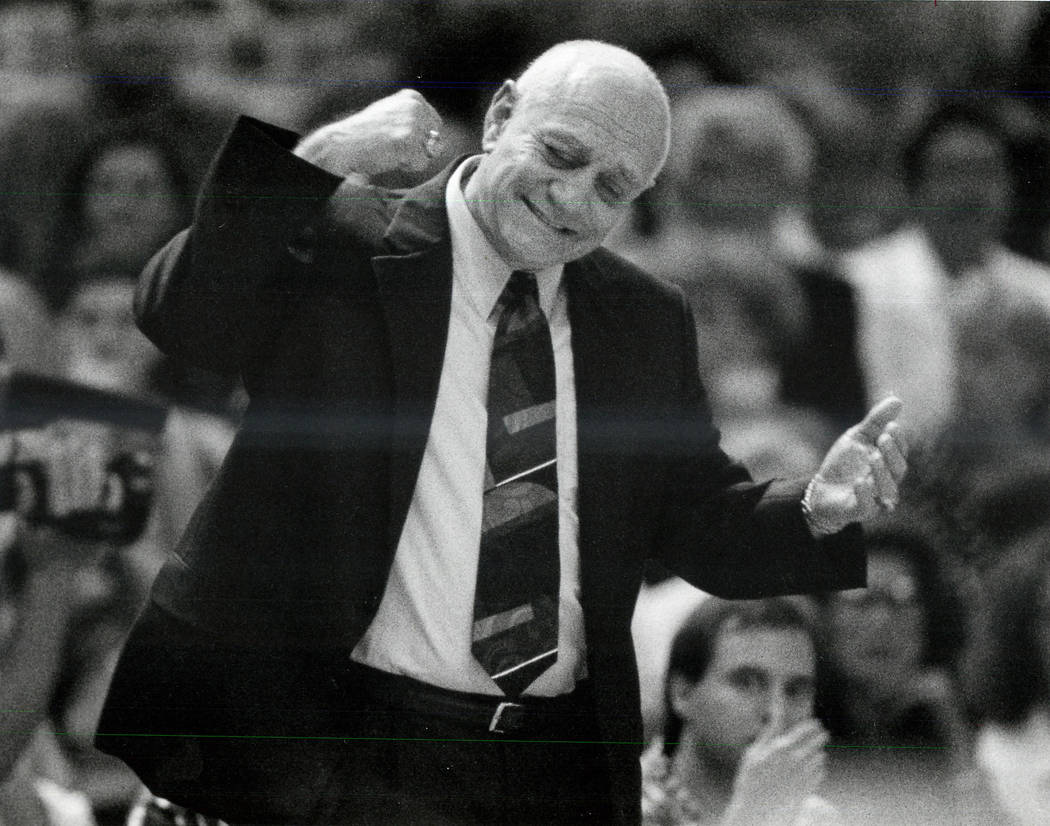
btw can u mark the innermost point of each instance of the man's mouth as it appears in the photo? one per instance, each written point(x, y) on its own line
point(546, 221)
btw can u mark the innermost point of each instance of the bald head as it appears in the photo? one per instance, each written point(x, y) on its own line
point(568, 146)
point(566, 67)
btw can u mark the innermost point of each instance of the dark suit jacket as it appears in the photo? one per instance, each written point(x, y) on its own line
point(333, 301)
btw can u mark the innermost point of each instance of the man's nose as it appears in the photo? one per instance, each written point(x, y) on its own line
point(775, 710)
point(573, 196)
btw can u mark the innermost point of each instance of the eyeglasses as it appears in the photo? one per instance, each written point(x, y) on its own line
point(899, 592)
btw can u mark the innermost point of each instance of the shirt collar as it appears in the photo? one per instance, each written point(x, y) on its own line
point(477, 268)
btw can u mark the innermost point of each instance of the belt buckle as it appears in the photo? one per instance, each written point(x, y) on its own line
point(497, 718)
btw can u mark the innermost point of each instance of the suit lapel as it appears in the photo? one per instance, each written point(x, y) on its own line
point(415, 290)
point(595, 349)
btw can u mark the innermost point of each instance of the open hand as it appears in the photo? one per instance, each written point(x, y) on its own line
point(399, 132)
point(861, 474)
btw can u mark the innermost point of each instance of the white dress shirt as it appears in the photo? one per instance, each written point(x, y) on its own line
point(423, 626)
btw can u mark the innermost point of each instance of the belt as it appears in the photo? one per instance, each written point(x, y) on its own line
point(496, 715)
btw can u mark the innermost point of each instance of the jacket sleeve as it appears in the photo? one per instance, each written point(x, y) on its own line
point(732, 537)
point(210, 295)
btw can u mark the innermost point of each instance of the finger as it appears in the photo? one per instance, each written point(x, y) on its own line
point(806, 736)
point(885, 487)
point(433, 143)
point(877, 419)
point(866, 503)
point(811, 747)
point(895, 461)
point(895, 430)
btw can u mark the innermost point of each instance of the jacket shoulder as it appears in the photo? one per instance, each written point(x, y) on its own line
point(624, 280)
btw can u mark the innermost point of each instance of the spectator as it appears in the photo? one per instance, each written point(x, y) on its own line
point(739, 161)
point(921, 283)
point(124, 197)
point(127, 58)
point(101, 346)
point(1010, 682)
point(740, 745)
point(42, 579)
point(889, 697)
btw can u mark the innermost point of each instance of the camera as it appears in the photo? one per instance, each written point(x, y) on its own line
point(30, 403)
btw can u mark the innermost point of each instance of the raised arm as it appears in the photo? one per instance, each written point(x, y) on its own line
point(218, 288)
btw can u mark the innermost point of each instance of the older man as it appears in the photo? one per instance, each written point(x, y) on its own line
point(407, 598)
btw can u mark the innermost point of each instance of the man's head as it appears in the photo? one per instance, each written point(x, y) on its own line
point(737, 667)
point(568, 147)
point(958, 171)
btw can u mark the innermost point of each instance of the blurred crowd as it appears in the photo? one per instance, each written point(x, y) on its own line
point(857, 202)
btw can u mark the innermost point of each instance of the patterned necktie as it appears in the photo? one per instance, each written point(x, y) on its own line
point(515, 632)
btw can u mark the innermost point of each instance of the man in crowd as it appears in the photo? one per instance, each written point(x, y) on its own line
point(407, 597)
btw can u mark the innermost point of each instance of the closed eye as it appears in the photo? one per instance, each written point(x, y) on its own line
point(557, 157)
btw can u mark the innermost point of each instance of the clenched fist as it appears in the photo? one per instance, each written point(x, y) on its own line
point(399, 132)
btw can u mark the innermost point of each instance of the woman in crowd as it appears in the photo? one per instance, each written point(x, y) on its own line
point(889, 696)
point(1010, 681)
point(740, 743)
point(126, 196)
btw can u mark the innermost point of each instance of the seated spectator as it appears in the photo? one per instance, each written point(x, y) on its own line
point(124, 198)
point(101, 346)
point(125, 77)
point(740, 744)
point(889, 696)
point(916, 287)
point(42, 584)
point(1009, 682)
point(738, 159)
point(26, 330)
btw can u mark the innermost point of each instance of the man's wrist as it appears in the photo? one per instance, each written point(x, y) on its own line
point(818, 527)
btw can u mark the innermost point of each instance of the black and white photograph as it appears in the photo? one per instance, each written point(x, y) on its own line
point(487, 412)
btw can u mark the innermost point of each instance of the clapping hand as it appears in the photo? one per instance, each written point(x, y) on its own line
point(398, 132)
point(777, 773)
point(861, 474)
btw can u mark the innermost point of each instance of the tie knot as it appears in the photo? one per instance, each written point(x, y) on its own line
point(522, 284)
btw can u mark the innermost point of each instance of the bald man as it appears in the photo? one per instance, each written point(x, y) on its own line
point(407, 597)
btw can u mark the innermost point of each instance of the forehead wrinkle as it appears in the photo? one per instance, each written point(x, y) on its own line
point(615, 128)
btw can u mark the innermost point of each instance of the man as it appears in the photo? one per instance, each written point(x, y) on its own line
point(740, 743)
point(313, 652)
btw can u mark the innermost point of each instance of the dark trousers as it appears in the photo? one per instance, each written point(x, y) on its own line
point(407, 766)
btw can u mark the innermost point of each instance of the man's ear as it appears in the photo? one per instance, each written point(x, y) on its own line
point(499, 112)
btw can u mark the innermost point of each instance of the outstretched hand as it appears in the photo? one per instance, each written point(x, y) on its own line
point(399, 132)
point(861, 474)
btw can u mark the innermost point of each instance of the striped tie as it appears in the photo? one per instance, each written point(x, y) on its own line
point(515, 632)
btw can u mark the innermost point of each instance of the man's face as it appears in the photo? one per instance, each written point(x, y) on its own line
point(562, 166)
point(756, 675)
point(965, 187)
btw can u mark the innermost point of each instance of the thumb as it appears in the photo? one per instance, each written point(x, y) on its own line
point(877, 418)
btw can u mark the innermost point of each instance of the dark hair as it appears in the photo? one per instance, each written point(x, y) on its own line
point(59, 277)
point(944, 617)
point(946, 116)
point(694, 643)
point(1006, 670)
